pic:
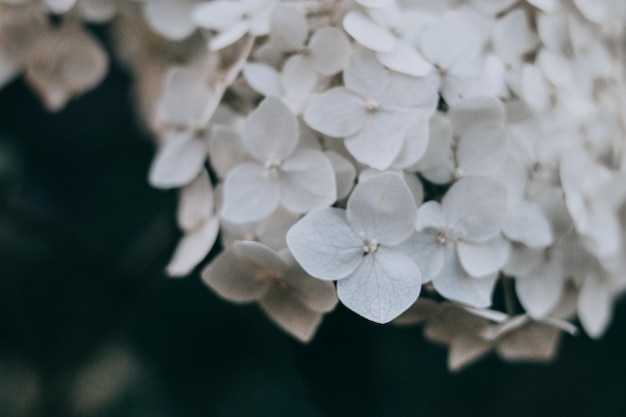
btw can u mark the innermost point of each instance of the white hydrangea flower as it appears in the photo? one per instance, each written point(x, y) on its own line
point(373, 111)
point(455, 47)
point(458, 244)
point(300, 180)
point(359, 248)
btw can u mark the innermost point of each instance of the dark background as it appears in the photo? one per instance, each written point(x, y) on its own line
point(90, 325)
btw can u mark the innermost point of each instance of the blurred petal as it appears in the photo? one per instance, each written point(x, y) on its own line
point(336, 113)
point(250, 193)
point(481, 259)
point(270, 133)
point(290, 314)
point(329, 50)
point(171, 19)
point(179, 161)
point(196, 202)
point(368, 33)
point(477, 206)
point(594, 307)
point(307, 181)
point(288, 28)
point(234, 279)
point(263, 79)
point(406, 60)
point(541, 289)
point(365, 76)
point(455, 284)
point(527, 224)
point(193, 248)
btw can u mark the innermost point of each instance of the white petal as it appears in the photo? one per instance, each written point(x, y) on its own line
point(229, 37)
point(290, 314)
point(594, 307)
point(98, 11)
point(527, 224)
point(535, 90)
point(476, 111)
point(366, 76)
point(477, 206)
point(415, 143)
point(171, 19)
point(345, 174)
point(452, 42)
point(325, 245)
point(288, 28)
point(178, 161)
point(225, 149)
point(261, 256)
point(426, 252)
point(430, 216)
point(60, 6)
point(382, 208)
point(250, 194)
point(523, 260)
point(492, 7)
point(298, 77)
point(375, 3)
point(596, 11)
point(375, 145)
point(481, 259)
point(270, 133)
point(438, 151)
point(193, 248)
point(482, 151)
point(185, 97)
point(307, 181)
point(336, 113)
point(455, 284)
point(556, 68)
point(217, 15)
point(234, 278)
point(513, 37)
point(263, 79)
point(329, 50)
point(382, 287)
point(406, 91)
point(539, 292)
point(547, 6)
point(196, 202)
point(368, 33)
point(405, 59)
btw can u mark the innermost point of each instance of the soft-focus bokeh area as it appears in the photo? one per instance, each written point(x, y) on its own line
point(91, 326)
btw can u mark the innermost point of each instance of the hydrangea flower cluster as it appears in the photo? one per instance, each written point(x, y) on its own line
point(457, 163)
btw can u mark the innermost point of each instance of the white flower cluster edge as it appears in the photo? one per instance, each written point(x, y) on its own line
point(414, 159)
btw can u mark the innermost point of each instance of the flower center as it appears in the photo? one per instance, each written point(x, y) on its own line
point(398, 31)
point(370, 246)
point(272, 168)
point(371, 106)
point(443, 70)
point(273, 277)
